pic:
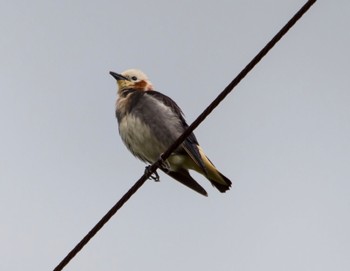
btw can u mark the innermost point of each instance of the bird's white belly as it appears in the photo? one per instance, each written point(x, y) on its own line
point(139, 139)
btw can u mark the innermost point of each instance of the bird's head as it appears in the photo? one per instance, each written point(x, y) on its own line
point(132, 79)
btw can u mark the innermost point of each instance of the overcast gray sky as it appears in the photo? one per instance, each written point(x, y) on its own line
point(282, 137)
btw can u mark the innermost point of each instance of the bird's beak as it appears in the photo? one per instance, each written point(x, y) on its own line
point(118, 76)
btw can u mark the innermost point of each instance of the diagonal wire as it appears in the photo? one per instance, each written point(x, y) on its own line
point(189, 130)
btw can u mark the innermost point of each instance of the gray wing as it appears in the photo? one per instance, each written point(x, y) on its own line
point(190, 143)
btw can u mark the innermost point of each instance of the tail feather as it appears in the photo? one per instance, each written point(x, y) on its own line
point(185, 178)
point(218, 180)
point(221, 187)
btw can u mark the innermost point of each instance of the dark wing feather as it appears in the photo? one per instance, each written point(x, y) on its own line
point(190, 143)
point(175, 108)
point(193, 151)
point(185, 178)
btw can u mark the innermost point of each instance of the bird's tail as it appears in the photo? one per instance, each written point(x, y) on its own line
point(221, 187)
point(185, 178)
point(216, 178)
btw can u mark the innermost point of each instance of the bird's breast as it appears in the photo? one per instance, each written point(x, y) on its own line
point(147, 126)
point(140, 139)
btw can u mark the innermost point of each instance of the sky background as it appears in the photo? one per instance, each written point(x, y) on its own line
point(282, 136)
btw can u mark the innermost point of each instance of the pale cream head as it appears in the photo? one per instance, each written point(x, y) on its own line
point(132, 79)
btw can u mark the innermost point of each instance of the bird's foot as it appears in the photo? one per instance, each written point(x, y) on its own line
point(154, 176)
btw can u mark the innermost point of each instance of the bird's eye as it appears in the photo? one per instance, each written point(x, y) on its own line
point(134, 78)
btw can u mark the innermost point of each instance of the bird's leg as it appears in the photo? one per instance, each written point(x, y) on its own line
point(154, 176)
point(162, 164)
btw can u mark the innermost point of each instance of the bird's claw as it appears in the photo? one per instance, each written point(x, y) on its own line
point(154, 176)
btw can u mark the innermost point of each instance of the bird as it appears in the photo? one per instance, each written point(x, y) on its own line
point(149, 122)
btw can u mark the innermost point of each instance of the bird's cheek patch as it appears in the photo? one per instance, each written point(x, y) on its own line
point(141, 85)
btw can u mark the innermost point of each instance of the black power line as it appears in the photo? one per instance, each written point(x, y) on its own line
point(189, 130)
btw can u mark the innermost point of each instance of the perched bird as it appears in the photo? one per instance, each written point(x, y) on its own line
point(149, 122)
